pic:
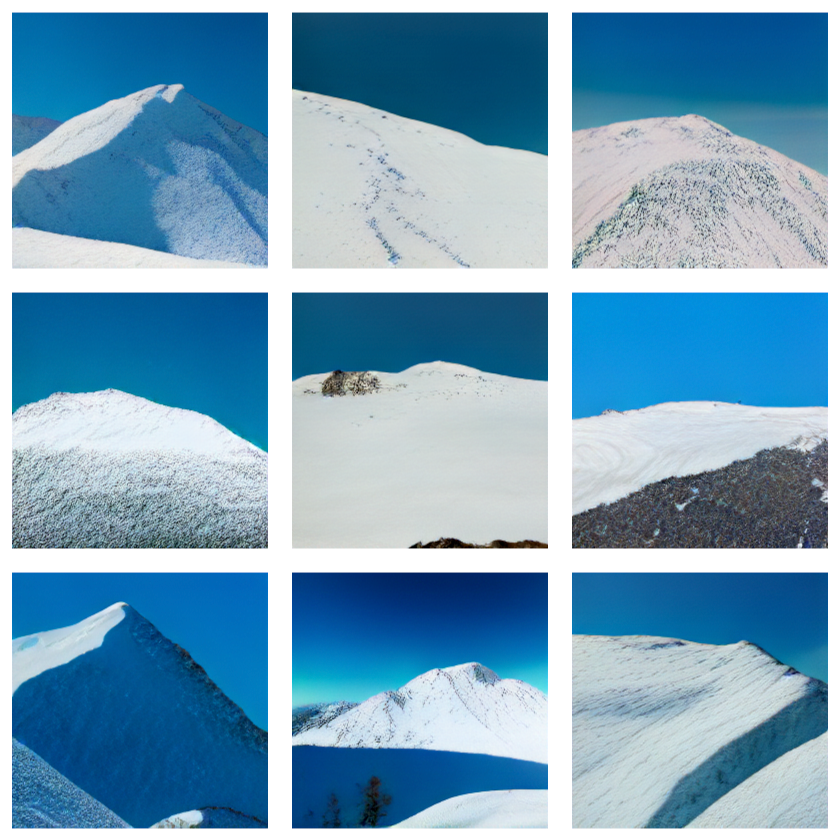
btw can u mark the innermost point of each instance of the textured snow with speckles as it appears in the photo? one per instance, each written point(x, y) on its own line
point(376, 190)
point(488, 809)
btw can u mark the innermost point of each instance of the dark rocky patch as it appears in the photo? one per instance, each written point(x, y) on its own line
point(451, 542)
point(341, 382)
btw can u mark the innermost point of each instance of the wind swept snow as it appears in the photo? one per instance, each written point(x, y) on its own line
point(490, 809)
point(375, 190)
point(667, 732)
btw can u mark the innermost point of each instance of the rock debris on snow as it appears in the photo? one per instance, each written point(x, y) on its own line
point(684, 192)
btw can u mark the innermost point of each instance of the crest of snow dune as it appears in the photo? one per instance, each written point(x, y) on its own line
point(465, 708)
point(618, 453)
point(372, 189)
point(488, 809)
point(686, 192)
point(157, 169)
point(664, 729)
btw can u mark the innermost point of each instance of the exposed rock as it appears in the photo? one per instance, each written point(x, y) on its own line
point(340, 382)
point(451, 542)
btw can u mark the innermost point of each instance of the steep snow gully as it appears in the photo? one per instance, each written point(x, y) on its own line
point(669, 733)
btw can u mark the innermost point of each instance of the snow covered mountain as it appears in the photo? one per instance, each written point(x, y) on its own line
point(157, 169)
point(439, 450)
point(108, 469)
point(465, 708)
point(27, 131)
point(666, 732)
point(684, 192)
point(375, 190)
point(132, 720)
point(691, 473)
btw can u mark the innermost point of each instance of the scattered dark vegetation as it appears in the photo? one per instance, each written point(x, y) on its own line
point(451, 542)
point(340, 382)
point(768, 501)
point(374, 802)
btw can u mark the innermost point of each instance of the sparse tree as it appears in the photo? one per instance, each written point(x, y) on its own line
point(332, 816)
point(374, 803)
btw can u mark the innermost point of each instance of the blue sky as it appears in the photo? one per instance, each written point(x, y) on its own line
point(221, 619)
point(762, 76)
point(483, 75)
point(389, 332)
point(635, 350)
point(786, 614)
point(356, 635)
point(204, 352)
point(66, 64)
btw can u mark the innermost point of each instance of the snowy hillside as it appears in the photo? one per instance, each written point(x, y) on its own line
point(375, 190)
point(27, 131)
point(490, 809)
point(684, 192)
point(439, 450)
point(157, 169)
point(129, 718)
point(669, 732)
point(108, 469)
point(465, 708)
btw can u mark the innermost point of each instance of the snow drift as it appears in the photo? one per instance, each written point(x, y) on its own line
point(375, 190)
point(684, 192)
point(666, 733)
point(157, 169)
point(110, 470)
point(490, 809)
point(437, 450)
point(133, 721)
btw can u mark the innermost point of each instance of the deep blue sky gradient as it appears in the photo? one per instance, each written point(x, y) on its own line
point(786, 614)
point(762, 76)
point(220, 619)
point(204, 352)
point(64, 64)
point(634, 350)
point(356, 635)
point(389, 332)
point(483, 75)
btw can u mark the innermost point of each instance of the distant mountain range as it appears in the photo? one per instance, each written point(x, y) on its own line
point(27, 131)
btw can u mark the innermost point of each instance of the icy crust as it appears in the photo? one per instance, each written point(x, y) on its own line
point(373, 189)
point(43, 798)
point(618, 453)
point(663, 729)
point(684, 192)
point(465, 708)
point(488, 809)
point(135, 721)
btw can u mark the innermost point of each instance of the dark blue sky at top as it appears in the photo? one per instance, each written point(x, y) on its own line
point(204, 352)
point(763, 76)
point(389, 332)
point(220, 619)
point(356, 635)
point(634, 350)
point(64, 64)
point(786, 614)
point(483, 75)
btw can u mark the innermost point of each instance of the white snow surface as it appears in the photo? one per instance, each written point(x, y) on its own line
point(488, 809)
point(439, 450)
point(376, 190)
point(664, 729)
point(156, 169)
point(465, 708)
point(686, 192)
point(618, 453)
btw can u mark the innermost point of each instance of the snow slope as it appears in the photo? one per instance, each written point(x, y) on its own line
point(664, 730)
point(27, 131)
point(684, 192)
point(156, 169)
point(128, 716)
point(490, 809)
point(108, 469)
point(465, 708)
point(439, 450)
point(375, 190)
point(617, 453)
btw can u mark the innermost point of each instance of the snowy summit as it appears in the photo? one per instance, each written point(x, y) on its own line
point(157, 169)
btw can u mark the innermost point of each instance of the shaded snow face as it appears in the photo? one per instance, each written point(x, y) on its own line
point(663, 728)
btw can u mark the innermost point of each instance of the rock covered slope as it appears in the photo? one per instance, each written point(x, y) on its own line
point(157, 169)
point(110, 470)
point(667, 732)
point(130, 718)
point(684, 192)
point(376, 190)
point(465, 708)
point(438, 449)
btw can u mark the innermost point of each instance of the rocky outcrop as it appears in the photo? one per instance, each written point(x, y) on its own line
point(341, 382)
point(451, 542)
